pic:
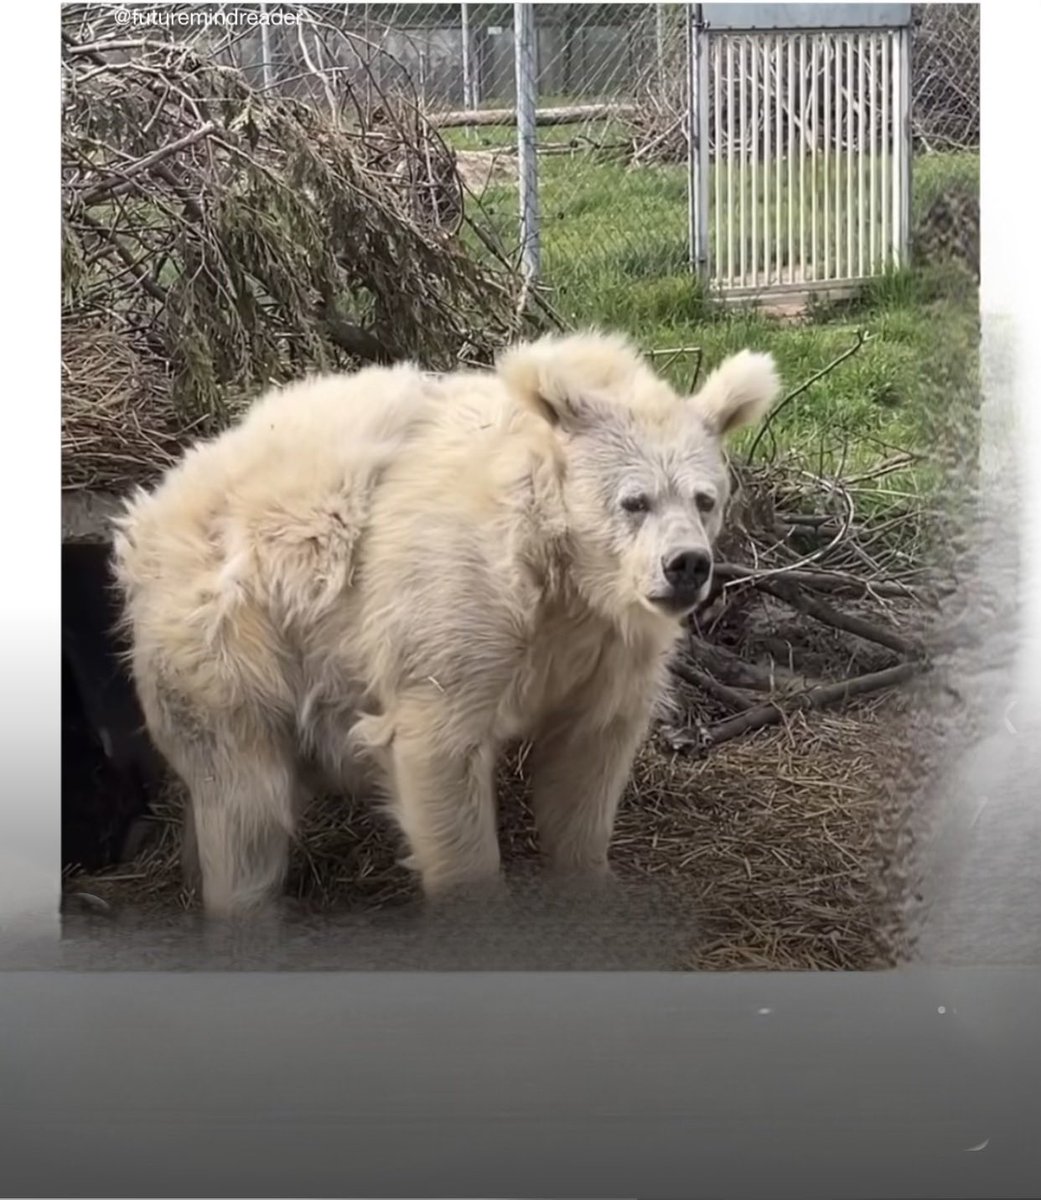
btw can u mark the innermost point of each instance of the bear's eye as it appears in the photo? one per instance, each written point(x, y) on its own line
point(636, 504)
point(705, 502)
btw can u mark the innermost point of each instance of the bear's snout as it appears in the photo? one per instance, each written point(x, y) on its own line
point(686, 572)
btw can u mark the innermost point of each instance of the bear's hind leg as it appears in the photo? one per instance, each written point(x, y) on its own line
point(244, 797)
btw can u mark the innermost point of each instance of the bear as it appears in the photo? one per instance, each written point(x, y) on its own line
point(382, 578)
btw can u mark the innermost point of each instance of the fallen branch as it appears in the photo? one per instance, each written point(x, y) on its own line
point(847, 622)
point(728, 668)
point(571, 115)
point(706, 682)
point(862, 337)
point(123, 180)
point(773, 714)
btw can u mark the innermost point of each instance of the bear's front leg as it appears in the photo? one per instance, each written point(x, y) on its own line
point(579, 774)
point(444, 802)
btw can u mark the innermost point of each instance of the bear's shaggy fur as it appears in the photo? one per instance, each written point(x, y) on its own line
point(381, 579)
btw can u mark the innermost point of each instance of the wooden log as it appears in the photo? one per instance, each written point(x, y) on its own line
point(571, 115)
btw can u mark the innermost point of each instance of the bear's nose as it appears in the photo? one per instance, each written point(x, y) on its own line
point(687, 570)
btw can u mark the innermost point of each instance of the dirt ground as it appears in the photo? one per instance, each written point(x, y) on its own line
point(775, 847)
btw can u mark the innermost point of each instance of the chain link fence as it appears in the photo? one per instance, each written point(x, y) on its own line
point(945, 129)
point(611, 133)
point(611, 137)
point(613, 184)
point(946, 78)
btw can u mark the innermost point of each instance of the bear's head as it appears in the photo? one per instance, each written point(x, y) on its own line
point(645, 481)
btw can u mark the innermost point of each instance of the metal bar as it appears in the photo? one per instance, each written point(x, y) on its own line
point(717, 173)
point(659, 42)
point(872, 154)
point(814, 174)
point(754, 152)
point(266, 73)
point(730, 160)
point(527, 149)
point(904, 37)
point(839, 107)
point(798, 18)
point(697, 139)
point(702, 159)
point(829, 63)
point(849, 155)
point(692, 138)
point(778, 46)
point(469, 92)
point(861, 149)
point(789, 153)
point(894, 138)
point(886, 165)
point(742, 77)
point(767, 164)
point(802, 155)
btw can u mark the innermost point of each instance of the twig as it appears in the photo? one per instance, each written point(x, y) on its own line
point(824, 581)
point(145, 280)
point(862, 337)
point(116, 184)
point(905, 459)
point(697, 371)
point(673, 350)
point(817, 555)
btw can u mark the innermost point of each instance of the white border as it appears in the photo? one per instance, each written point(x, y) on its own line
point(31, 504)
point(29, 625)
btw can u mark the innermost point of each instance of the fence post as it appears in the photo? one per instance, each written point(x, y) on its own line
point(659, 44)
point(905, 135)
point(469, 90)
point(697, 140)
point(527, 161)
point(265, 48)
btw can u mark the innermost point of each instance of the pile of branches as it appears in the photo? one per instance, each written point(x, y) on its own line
point(823, 594)
point(817, 611)
point(217, 236)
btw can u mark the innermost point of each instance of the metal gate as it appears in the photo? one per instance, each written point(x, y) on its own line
point(800, 128)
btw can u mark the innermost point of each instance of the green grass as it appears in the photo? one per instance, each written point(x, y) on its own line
point(614, 250)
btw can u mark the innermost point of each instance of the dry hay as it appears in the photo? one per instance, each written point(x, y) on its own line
point(778, 845)
point(216, 237)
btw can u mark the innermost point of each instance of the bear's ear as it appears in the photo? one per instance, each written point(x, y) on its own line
point(570, 381)
point(739, 392)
